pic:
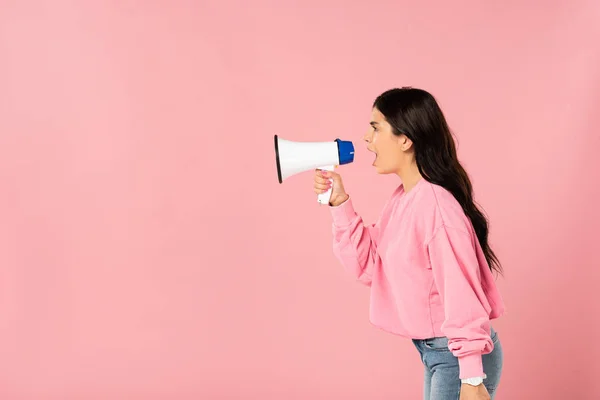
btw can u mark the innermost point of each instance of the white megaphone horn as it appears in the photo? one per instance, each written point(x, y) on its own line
point(295, 157)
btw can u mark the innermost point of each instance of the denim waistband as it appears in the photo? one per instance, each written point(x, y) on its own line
point(493, 333)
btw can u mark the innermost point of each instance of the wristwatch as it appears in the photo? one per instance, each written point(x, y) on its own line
point(473, 381)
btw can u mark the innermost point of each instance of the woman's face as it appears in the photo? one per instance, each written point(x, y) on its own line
point(390, 150)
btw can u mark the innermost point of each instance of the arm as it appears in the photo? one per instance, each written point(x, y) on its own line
point(354, 244)
point(457, 277)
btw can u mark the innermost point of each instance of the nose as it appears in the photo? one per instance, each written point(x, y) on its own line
point(367, 137)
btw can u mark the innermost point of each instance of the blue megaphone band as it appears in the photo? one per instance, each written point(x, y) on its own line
point(345, 151)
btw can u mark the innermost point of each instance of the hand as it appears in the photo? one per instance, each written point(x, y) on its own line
point(469, 392)
point(322, 184)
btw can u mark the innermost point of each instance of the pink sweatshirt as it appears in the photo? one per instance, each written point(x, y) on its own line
point(427, 273)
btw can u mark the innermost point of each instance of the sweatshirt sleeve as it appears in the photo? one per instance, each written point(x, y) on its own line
point(354, 244)
point(457, 276)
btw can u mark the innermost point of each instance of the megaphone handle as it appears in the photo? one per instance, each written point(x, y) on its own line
point(323, 198)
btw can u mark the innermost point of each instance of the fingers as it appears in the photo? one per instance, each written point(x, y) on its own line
point(321, 180)
point(321, 184)
point(325, 180)
point(326, 175)
point(320, 177)
point(322, 187)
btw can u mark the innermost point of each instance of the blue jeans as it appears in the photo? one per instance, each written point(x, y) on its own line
point(442, 380)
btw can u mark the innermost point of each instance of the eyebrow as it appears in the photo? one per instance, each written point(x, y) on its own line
point(373, 123)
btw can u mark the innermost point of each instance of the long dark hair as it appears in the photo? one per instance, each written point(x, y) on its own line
point(416, 114)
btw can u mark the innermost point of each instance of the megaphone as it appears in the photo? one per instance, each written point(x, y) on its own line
point(295, 157)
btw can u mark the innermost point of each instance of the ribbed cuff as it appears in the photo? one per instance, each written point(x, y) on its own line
point(470, 366)
point(343, 214)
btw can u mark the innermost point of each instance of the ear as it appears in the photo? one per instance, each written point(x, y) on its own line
point(404, 142)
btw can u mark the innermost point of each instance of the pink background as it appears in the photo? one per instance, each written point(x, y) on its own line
point(148, 252)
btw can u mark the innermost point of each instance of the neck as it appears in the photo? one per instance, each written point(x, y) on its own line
point(410, 176)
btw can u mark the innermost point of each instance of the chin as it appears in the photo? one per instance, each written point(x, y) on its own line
point(380, 170)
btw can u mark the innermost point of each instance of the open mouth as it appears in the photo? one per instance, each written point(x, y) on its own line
point(374, 152)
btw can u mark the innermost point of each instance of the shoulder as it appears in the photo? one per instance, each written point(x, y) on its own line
point(439, 205)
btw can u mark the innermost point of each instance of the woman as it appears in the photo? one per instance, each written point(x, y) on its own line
point(427, 259)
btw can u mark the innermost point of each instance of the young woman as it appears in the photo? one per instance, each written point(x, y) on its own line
point(427, 259)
